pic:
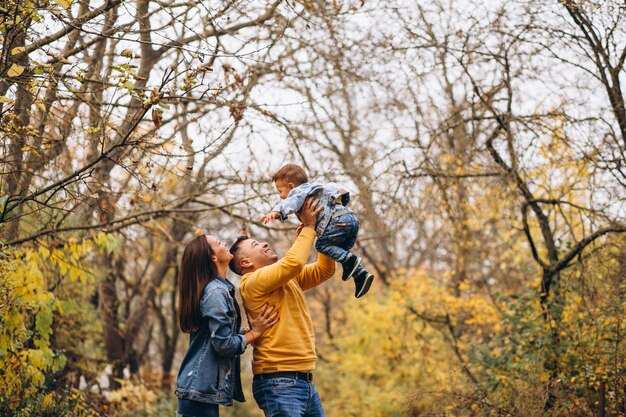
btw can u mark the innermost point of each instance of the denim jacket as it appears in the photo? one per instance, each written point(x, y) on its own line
point(210, 370)
point(332, 196)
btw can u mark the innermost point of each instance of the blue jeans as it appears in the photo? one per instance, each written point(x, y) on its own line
point(191, 408)
point(339, 237)
point(287, 397)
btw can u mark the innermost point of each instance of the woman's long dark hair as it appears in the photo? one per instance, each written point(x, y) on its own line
point(196, 271)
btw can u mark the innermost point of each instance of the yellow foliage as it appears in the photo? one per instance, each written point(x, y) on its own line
point(27, 310)
point(132, 396)
point(410, 348)
point(387, 359)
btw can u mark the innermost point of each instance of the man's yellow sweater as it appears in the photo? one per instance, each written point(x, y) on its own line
point(290, 344)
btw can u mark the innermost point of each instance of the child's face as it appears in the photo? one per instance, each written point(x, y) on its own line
point(283, 188)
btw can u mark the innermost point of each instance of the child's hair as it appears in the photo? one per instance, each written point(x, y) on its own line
point(291, 173)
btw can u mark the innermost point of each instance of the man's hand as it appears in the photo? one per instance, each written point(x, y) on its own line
point(309, 212)
point(269, 217)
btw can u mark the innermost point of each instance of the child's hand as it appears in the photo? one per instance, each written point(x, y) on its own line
point(269, 217)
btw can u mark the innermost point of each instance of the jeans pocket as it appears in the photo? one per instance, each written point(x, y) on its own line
point(341, 224)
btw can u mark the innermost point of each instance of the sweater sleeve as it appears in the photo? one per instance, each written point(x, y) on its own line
point(269, 278)
point(316, 273)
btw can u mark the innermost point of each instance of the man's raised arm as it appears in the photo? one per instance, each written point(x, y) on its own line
point(316, 273)
point(268, 278)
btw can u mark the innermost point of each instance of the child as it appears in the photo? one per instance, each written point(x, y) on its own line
point(337, 226)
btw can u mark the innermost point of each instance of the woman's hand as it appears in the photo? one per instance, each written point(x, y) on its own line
point(267, 318)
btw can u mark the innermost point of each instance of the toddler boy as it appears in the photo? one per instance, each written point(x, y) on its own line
point(337, 226)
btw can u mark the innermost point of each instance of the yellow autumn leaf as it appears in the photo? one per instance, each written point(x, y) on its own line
point(36, 357)
point(75, 274)
point(66, 4)
point(15, 70)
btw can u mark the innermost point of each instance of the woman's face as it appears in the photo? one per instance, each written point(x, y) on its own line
point(221, 256)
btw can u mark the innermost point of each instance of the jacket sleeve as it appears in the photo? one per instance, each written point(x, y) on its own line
point(316, 273)
point(292, 204)
point(216, 308)
point(269, 278)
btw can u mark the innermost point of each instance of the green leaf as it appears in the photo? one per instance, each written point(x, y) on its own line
point(67, 306)
point(60, 361)
point(113, 244)
point(43, 323)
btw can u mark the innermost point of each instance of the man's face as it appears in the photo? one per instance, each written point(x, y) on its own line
point(255, 255)
point(283, 188)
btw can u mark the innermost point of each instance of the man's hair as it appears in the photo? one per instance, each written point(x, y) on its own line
point(291, 173)
point(234, 263)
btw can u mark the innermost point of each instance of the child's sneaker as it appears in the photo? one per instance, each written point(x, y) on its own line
point(362, 282)
point(349, 266)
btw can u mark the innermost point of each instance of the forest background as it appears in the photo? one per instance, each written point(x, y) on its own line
point(484, 144)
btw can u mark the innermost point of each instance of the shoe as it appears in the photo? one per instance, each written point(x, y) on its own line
point(349, 266)
point(362, 282)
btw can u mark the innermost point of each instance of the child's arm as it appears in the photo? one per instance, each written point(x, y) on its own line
point(267, 218)
point(292, 204)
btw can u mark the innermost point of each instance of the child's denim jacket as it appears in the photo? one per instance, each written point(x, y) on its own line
point(210, 370)
point(333, 198)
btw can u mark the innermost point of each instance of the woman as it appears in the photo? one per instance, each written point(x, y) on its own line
point(209, 373)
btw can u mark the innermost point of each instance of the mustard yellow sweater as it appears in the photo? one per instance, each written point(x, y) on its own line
point(290, 344)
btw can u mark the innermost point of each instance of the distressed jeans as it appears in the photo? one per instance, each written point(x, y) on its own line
point(339, 237)
point(287, 397)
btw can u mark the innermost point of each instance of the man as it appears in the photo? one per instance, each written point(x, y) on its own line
point(284, 357)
